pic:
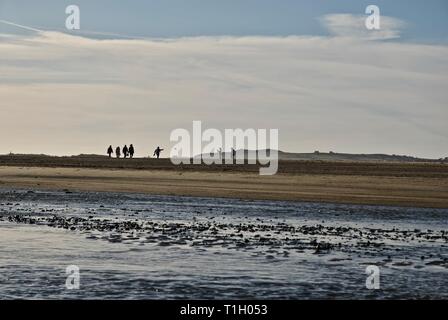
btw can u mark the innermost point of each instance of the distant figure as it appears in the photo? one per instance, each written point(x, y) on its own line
point(110, 151)
point(157, 152)
point(220, 153)
point(117, 152)
point(125, 151)
point(233, 154)
point(131, 151)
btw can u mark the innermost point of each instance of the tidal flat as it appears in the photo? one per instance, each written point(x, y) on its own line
point(136, 246)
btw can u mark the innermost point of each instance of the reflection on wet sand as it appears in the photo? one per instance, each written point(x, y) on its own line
point(165, 247)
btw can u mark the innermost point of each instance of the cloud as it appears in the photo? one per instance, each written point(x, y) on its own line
point(64, 94)
point(349, 25)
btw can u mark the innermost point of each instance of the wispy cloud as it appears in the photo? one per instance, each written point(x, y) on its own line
point(67, 94)
point(353, 26)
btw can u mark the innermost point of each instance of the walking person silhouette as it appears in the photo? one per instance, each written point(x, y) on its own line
point(125, 151)
point(117, 152)
point(110, 151)
point(157, 152)
point(131, 151)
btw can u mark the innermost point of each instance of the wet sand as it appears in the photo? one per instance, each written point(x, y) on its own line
point(403, 184)
point(134, 246)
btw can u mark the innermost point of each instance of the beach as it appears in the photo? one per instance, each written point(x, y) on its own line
point(146, 229)
point(374, 183)
point(138, 246)
point(223, 159)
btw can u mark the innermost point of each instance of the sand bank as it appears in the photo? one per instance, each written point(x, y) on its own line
point(419, 190)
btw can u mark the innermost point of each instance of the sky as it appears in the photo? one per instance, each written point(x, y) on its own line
point(137, 70)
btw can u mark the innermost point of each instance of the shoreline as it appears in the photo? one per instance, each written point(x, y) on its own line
point(261, 200)
point(417, 191)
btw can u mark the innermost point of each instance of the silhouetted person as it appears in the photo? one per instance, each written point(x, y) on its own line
point(233, 154)
point(157, 152)
point(110, 151)
point(117, 152)
point(125, 151)
point(131, 151)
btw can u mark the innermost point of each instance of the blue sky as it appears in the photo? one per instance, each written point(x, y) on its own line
point(427, 20)
point(308, 68)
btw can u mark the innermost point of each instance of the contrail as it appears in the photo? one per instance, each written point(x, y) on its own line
point(20, 26)
point(87, 32)
point(81, 32)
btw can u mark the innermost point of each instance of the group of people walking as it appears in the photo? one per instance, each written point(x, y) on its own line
point(129, 152)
